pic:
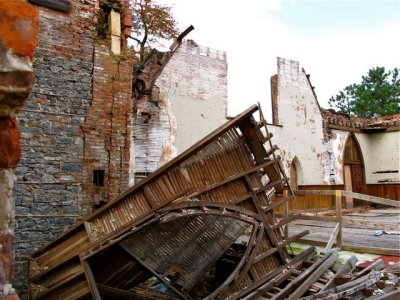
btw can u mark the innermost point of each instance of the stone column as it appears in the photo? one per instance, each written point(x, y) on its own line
point(18, 32)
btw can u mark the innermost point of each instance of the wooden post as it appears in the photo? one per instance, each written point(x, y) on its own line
point(339, 218)
point(286, 214)
point(348, 185)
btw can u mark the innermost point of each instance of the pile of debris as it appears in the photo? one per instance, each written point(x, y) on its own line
point(200, 227)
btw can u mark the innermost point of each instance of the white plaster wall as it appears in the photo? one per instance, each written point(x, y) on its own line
point(195, 83)
point(381, 152)
point(337, 143)
point(301, 133)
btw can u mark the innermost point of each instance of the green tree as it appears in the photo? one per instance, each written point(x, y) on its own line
point(378, 94)
point(152, 23)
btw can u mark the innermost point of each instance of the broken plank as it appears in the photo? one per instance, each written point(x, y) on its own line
point(332, 238)
point(372, 199)
point(308, 277)
point(347, 267)
point(159, 276)
point(281, 245)
point(284, 268)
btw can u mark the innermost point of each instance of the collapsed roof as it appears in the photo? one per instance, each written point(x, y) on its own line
point(200, 227)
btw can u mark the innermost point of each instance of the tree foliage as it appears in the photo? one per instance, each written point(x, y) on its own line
point(378, 94)
point(152, 23)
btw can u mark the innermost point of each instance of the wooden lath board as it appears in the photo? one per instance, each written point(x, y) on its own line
point(229, 167)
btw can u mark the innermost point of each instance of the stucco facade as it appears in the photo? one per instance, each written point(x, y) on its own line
point(299, 131)
point(180, 97)
point(318, 144)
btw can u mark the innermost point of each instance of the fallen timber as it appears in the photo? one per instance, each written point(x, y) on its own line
point(200, 227)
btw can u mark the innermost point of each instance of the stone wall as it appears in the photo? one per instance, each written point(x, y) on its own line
point(18, 31)
point(49, 178)
point(77, 120)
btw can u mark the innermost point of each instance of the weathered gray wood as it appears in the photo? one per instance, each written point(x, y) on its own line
point(281, 245)
point(299, 258)
point(347, 288)
point(332, 238)
point(347, 267)
point(372, 199)
point(338, 202)
point(314, 276)
point(375, 266)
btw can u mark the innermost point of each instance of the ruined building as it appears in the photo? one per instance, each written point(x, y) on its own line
point(179, 97)
point(322, 149)
point(95, 120)
point(96, 123)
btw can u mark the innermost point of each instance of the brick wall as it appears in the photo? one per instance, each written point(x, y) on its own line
point(106, 131)
point(77, 120)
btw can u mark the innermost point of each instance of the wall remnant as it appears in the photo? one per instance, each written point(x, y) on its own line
point(18, 33)
point(176, 92)
point(75, 127)
point(319, 139)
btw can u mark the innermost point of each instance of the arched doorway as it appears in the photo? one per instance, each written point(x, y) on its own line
point(354, 179)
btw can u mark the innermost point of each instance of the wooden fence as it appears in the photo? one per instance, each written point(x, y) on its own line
point(341, 197)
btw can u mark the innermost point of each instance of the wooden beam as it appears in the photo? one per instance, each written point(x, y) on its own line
point(289, 265)
point(159, 276)
point(375, 266)
point(359, 249)
point(347, 267)
point(338, 202)
point(180, 158)
point(312, 218)
point(252, 256)
point(90, 279)
point(315, 192)
point(291, 239)
point(308, 277)
point(249, 129)
point(332, 238)
point(257, 204)
point(372, 199)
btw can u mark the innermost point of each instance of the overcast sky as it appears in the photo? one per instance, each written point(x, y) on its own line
point(335, 41)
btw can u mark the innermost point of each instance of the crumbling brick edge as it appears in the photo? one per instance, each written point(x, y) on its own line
point(18, 34)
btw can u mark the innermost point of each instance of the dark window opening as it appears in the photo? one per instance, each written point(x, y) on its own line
point(98, 177)
point(145, 117)
point(102, 25)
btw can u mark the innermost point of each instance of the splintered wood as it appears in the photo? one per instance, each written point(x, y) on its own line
point(200, 227)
